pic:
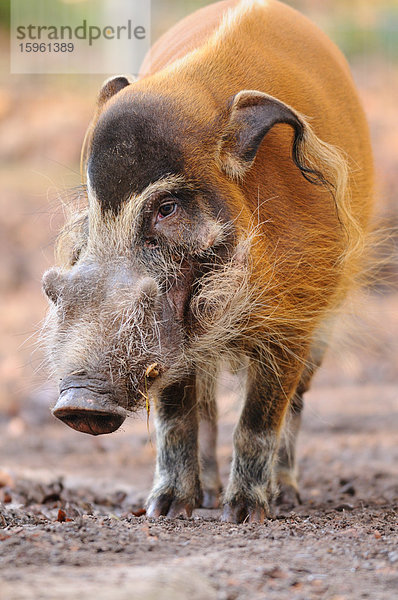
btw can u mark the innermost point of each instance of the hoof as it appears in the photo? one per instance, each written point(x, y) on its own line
point(242, 513)
point(211, 499)
point(289, 493)
point(168, 506)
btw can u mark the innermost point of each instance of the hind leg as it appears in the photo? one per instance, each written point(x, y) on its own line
point(210, 476)
point(286, 468)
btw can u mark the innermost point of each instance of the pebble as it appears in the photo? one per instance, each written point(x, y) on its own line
point(393, 556)
point(344, 506)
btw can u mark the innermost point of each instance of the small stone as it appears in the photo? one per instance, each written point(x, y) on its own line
point(344, 506)
point(349, 489)
point(274, 571)
point(393, 556)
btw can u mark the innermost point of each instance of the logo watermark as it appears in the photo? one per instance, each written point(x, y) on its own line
point(72, 36)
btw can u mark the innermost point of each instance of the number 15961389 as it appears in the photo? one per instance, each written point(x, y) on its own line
point(46, 47)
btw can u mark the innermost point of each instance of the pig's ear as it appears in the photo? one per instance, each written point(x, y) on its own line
point(250, 116)
point(112, 86)
point(109, 88)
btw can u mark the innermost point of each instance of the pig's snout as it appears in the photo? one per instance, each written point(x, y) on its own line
point(86, 407)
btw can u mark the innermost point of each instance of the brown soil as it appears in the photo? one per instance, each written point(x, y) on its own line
point(69, 524)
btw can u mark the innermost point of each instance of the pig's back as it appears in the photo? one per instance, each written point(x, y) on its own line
point(186, 35)
point(270, 47)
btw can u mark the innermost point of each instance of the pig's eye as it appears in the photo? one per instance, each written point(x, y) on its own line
point(167, 209)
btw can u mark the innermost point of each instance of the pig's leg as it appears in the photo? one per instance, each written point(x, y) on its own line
point(252, 484)
point(286, 468)
point(210, 477)
point(176, 489)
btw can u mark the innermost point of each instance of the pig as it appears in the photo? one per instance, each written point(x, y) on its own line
point(229, 195)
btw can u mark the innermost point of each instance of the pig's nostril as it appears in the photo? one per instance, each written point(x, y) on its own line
point(89, 421)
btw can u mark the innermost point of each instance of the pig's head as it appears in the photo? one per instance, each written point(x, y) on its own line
point(119, 320)
point(143, 260)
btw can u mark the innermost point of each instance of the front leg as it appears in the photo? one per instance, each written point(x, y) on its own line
point(252, 485)
point(176, 488)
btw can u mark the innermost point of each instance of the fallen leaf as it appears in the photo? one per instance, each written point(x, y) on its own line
point(61, 516)
point(139, 512)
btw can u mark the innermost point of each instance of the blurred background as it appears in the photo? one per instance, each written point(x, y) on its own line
point(43, 119)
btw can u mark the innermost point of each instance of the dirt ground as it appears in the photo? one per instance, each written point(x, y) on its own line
point(70, 518)
point(71, 522)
